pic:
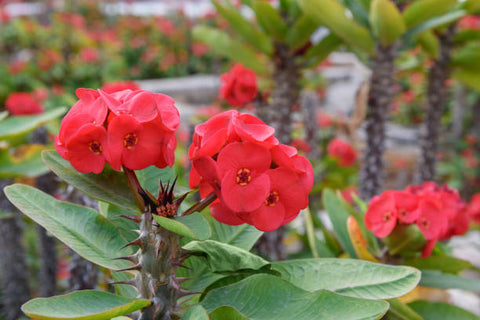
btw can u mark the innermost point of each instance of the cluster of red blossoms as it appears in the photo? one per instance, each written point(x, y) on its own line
point(342, 151)
point(239, 86)
point(438, 211)
point(131, 128)
point(257, 180)
point(23, 103)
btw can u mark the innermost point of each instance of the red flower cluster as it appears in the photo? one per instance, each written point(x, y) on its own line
point(343, 151)
point(23, 103)
point(257, 180)
point(114, 86)
point(438, 211)
point(239, 86)
point(473, 208)
point(130, 128)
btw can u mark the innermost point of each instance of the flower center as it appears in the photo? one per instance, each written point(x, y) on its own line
point(130, 140)
point(95, 147)
point(402, 212)
point(243, 176)
point(425, 223)
point(272, 199)
point(387, 216)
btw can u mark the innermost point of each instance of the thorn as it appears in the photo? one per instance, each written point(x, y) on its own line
point(133, 258)
point(133, 218)
point(160, 246)
point(127, 282)
point(138, 231)
point(179, 264)
point(136, 267)
point(137, 242)
point(183, 279)
point(179, 201)
point(187, 293)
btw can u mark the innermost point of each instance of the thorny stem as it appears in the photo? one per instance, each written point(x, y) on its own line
point(202, 204)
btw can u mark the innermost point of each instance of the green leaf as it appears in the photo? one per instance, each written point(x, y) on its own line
point(193, 226)
point(436, 22)
point(423, 10)
point(25, 162)
point(333, 15)
point(84, 304)
point(222, 43)
point(229, 313)
point(81, 228)
point(150, 178)
point(196, 312)
point(113, 214)
point(322, 50)
point(301, 31)
point(109, 186)
point(467, 57)
point(386, 21)
point(437, 279)
point(355, 278)
point(338, 215)
point(222, 257)
point(441, 311)
point(261, 296)
point(429, 43)
point(359, 10)
point(270, 20)
point(245, 29)
point(15, 126)
point(445, 264)
point(400, 311)
point(470, 78)
point(124, 290)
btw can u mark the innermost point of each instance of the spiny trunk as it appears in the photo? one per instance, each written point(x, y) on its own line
point(286, 77)
point(14, 273)
point(379, 99)
point(278, 114)
point(437, 95)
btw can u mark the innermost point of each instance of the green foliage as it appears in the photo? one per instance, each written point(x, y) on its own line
point(354, 278)
point(196, 312)
point(222, 43)
point(270, 20)
point(429, 43)
point(14, 129)
point(300, 32)
point(322, 50)
point(331, 13)
point(437, 279)
point(437, 22)
point(386, 21)
point(26, 161)
point(266, 297)
point(468, 77)
point(109, 186)
point(338, 214)
point(81, 228)
point(441, 311)
point(400, 311)
point(422, 10)
point(445, 264)
point(222, 257)
point(193, 226)
point(82, 305)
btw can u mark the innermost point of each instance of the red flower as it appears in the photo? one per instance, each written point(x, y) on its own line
point(114, 86)
point(22, 103)
point(239, 86)
point(130, 128)
point(89, 55)
point(381, 216)
point(342, 151)
point(257, 180)
point(473, 208)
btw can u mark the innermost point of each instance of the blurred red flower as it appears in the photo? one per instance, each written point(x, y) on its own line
point(239, 86)
point(342, 151)
point(23, 103)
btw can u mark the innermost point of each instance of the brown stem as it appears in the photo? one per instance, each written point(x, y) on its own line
point(202, 204)
point(135, 187)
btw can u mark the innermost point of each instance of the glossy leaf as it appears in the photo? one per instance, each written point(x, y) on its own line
point(470, 78)
point(322, 50)
point(338, 215)
point(429, 43)
point(355, 278)
point(109, 186)
point(222, 257)
point(445, 264)
point(15, 126)
point(331, 13)
point(266, 297)
point(400, 311)
point(244, 28)
point(441, 311)
point(82, 305)
point(301, 31)
point(26, 161)
point(222, 43)
point(437, 279)
point(193, 226)
point(467, 57)
point(81, 228)
point(229, 313)
point(270, 20)
point(196, 312)
point(437, 22)
point(386, 21)
point(423, 10)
